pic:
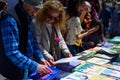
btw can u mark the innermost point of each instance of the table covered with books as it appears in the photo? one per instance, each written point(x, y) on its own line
point(98, 63)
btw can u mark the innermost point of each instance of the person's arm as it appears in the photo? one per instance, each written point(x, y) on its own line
point(62, 44)
point(80, 33)
point(38, 35)
point(38, 52)
point(10, 37)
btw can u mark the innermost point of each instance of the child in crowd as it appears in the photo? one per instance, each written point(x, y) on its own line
point(96, 38)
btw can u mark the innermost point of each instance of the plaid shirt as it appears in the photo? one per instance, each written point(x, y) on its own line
point(10, 37)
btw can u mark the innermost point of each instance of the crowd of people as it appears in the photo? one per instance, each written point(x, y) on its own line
point(36, 33)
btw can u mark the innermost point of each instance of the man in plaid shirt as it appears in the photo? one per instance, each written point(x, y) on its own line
point(18, 44)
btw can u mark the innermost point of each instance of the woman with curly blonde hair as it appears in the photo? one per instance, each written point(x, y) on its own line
point(48, 24)
point(44, 13)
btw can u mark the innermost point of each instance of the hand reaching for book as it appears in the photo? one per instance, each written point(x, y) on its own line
point(43, 69)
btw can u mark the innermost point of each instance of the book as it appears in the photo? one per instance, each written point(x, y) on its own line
point(104, 56)
point(68, 60)
point(113, 65)
point(76, 76)
point(109, 51)
point(49, 76)
point(98, 61)
point(82, 76)
point(115, 40)
point(89, 52)
point(108, 45)
point(89, 68)
point(100, 77)
point(68, 66)
point(109, 48)
point(111, 73)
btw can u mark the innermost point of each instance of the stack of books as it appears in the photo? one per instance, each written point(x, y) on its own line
point(67, 64)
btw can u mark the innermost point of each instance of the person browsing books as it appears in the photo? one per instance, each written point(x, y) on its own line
point(48, 24)
point(19, 50)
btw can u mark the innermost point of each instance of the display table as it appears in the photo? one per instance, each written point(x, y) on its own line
point(99, 63)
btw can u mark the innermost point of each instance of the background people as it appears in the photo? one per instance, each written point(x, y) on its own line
point(74, 32)
point(115, 22)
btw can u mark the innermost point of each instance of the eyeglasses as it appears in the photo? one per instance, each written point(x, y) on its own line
point(53, 18)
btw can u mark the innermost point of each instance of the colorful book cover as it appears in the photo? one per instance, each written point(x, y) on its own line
point(68, 66)
point(109, 48)
point(89, 52)
point(111, 73)
point(76, 76)
point(103, 56)
point(113, 66)
point(98, 61)
point(108, 45)
point(100, 77)
point(82, 76)
point(115, 40)
point(108, 51)
point(118, 46)
point(49, 76)
point(89, 68)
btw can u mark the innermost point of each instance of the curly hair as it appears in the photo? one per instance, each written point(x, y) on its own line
point(54, 5)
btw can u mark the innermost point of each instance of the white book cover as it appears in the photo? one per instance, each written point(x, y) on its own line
point(99, 61)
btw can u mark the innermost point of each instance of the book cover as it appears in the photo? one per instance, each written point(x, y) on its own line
point(113, 66)
point(82, 76)
point(69, 66)
point(76, 76)
point(89, 52)
point(89, 68)
point(103, 56)
point(49, 76)
point(100, 77)
point(111, 73)
point(115, 40)
point(98, 61)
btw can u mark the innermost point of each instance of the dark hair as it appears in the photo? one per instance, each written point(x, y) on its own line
point(2, 4)
point(97, 23)
point(71, 7)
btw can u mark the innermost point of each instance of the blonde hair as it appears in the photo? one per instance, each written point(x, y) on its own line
point(54, 5)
